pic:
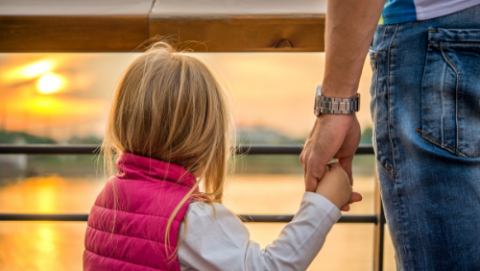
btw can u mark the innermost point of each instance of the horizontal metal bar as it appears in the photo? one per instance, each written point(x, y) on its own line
point(288, 218)
point(92, 149)
point(245, 218)
point(43, 217)
point(48, 149)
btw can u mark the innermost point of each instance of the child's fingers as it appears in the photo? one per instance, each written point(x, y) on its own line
point(355, 197)
point(334, 166)
point(337, 170)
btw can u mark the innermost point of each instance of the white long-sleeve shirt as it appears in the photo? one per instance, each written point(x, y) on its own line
point(218, 240)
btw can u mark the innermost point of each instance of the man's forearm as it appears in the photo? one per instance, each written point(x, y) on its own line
point(350, 25)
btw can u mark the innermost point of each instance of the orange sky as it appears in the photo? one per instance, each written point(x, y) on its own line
point(270, 89)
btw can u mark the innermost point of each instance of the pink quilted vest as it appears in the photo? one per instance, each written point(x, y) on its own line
point(126, 226)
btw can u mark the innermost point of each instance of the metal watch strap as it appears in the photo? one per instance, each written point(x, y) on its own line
point(327, 105)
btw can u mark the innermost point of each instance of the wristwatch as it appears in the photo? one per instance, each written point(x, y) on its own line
point(327, 105)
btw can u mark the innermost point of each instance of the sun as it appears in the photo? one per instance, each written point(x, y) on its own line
point(50, 83)
point(36, 69)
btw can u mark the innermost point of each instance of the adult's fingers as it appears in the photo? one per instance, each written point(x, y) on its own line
point(314, 172)
point(316, 159)
point(323, 143)
point(347, 166)
point(314, 163)
point(310, 183)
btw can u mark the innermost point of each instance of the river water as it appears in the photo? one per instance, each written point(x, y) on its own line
point(50, 246)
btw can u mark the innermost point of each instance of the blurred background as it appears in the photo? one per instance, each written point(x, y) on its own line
point(60, 98)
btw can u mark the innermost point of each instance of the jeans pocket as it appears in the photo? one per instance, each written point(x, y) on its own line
point(451, 91)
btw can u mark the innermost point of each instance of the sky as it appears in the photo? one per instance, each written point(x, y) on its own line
point(62, 95)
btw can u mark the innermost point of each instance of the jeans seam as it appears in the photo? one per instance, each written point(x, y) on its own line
point(383, 37)
point(456, 95)
point(380, 163)
point(406, 247)
point(386, 171)
point(436, 141)
point(389, 101)
point(376, 127)
point(459, 43)
point(444, 145)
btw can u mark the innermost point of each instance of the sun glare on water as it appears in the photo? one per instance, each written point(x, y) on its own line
point(50, 83)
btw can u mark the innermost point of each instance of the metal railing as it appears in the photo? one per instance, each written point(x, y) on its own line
point(378, 219)
point(93, 149)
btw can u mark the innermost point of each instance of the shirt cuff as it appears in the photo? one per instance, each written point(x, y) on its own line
point(322, 203)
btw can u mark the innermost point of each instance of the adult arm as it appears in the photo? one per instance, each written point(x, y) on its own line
point(218, 240)
point(350, 25)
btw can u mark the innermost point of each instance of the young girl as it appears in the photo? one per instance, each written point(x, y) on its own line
point(169, 127)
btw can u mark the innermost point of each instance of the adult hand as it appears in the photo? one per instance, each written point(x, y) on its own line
point(333, 136)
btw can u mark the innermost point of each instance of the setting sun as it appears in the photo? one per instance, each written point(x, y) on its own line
point(49, 83)
point(37, 68)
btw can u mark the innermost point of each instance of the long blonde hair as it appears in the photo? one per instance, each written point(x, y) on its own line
point(169, 106)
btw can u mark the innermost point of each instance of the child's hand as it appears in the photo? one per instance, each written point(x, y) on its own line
point(335, 185)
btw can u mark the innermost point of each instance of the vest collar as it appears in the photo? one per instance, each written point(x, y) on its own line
point(132, 166)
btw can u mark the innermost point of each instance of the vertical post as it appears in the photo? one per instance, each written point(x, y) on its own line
point(379, 234)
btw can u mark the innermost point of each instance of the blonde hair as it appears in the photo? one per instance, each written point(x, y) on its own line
point(169, 106)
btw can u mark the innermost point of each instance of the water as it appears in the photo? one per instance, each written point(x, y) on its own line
point(258, 82)
point(54, 246)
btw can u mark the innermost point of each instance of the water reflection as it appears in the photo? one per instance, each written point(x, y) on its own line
point(50, 194)
point(59, 245)
point(41, 246)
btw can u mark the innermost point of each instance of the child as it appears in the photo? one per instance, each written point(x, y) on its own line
point(169, 125)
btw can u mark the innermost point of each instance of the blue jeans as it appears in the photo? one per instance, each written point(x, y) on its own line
point(426, 111)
